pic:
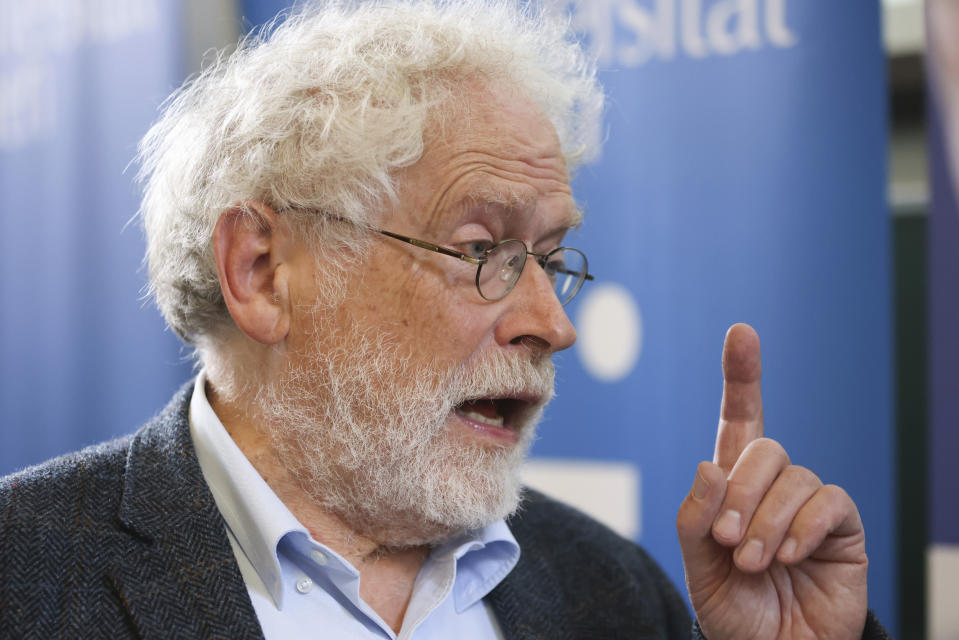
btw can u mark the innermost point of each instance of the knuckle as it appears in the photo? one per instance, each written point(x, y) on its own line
point(818, 521)
point(765, 526)
point(835, 494)
point(739, 492)
point(768, 448)
point(800, 476)
point(772, 519)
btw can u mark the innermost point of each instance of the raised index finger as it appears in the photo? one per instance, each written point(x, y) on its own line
point(741, 412)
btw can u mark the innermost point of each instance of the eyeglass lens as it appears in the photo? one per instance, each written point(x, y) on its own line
point(566, 268)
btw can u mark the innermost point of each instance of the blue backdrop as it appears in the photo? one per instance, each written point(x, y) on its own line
point(743, 179)
point(84, 357)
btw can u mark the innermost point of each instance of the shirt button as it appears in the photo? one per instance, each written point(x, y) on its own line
point(318, 556)
point(304, 585)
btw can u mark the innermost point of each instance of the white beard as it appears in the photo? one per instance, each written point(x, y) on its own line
point(363, 430)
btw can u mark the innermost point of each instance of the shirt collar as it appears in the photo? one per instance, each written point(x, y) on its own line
point(259, 520)
point(483, 558)
point(254, 514)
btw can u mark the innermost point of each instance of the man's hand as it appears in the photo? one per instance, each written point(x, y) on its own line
point(769, 551)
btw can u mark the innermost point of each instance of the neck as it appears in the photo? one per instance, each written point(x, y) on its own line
point(386, 574)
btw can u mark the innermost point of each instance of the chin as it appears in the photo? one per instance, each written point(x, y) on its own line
point(470, 490)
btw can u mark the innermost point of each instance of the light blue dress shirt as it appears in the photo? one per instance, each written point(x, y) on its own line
point(299, 586)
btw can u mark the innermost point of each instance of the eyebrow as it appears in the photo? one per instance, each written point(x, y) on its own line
point(511, 200)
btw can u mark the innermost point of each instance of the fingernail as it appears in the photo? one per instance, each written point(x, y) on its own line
point(752, 552)
point(787, 549)
point(700, 487)
point(728, 525)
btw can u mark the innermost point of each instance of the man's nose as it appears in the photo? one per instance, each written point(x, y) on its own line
point(535, 315)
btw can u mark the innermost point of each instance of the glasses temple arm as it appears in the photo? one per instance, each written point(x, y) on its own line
point(587, 276)
point(422, 244)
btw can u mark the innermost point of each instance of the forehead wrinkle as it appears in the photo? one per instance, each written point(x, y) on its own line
point(510, 199)
point(510, 176)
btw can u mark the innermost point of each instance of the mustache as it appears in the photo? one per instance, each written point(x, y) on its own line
point(500, 375)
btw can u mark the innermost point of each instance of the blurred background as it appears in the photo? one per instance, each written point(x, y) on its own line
point(778, 162)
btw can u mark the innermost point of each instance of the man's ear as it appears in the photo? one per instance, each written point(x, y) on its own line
point(252, 248)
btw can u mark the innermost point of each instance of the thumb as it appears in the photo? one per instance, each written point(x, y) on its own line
point(706, 561)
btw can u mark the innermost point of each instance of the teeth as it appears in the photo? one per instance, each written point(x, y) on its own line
point(479, 417)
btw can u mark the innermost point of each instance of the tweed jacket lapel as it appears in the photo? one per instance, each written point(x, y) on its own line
point(576, 579)
point(179, 577)
point(530, 605)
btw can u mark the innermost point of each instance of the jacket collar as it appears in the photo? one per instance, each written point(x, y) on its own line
point(179, 571)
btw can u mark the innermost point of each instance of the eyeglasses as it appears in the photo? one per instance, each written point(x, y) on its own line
point(499, 267)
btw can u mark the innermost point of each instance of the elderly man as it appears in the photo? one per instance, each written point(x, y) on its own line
point(358, 221)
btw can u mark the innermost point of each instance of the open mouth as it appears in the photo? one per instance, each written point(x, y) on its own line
point(503, 413)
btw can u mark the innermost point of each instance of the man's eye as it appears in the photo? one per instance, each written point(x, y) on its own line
point(477, 248)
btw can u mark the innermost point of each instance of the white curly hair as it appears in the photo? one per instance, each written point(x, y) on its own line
point(319, 109)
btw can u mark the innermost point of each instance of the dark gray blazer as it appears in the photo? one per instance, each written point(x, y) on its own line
point(124, 540)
